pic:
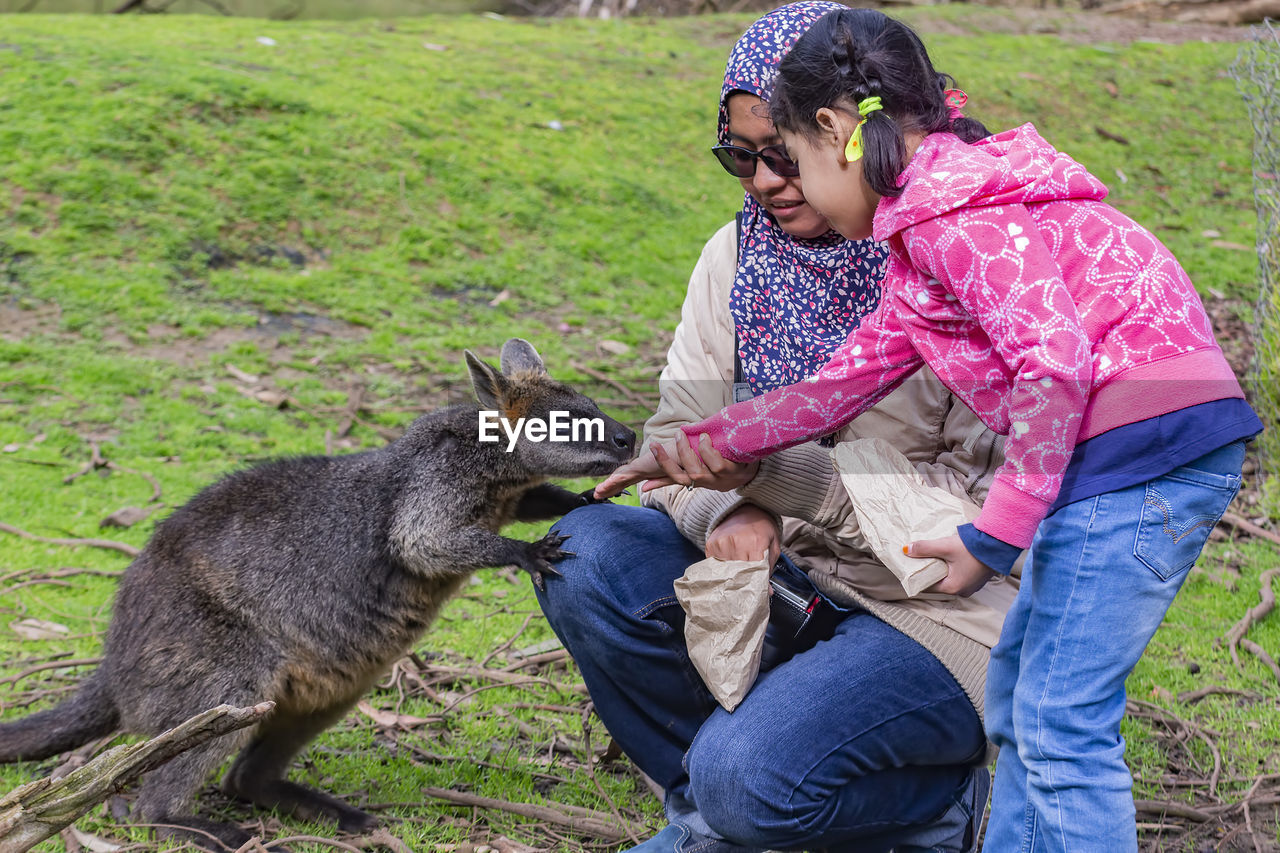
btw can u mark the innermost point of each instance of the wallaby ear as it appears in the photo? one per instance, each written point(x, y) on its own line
point(487, 382)
point(519, 356)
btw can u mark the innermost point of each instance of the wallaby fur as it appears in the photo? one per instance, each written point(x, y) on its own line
point(301, 581)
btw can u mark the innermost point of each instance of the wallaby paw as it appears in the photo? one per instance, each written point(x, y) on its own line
point(356, 822)
point(539, 556)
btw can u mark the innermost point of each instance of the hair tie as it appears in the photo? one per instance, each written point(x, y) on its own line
point(955, 99)
point(853, 151)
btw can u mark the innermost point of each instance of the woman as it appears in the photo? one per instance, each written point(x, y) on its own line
point(872, 739)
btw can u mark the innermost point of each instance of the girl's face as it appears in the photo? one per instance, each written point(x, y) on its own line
point(750, 127)
point(833, 186)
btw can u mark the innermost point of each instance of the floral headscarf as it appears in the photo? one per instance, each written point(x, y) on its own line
point(793, 301)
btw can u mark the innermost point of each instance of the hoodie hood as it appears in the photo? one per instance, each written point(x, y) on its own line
point(1013, 167)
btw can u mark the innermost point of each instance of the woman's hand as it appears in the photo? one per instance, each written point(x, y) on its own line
point(643, 467)
point(747, 533)
point(966, 574)
point(678, 464)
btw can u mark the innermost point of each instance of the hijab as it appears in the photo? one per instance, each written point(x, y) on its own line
point(793, 301)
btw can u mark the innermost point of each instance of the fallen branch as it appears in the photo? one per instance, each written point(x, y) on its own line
point(597, 823)
point(1261, 654)
point(636, 399)
point(1193, 696)
point(1159, 808)
point(123, 547)
point(35, 811)
point(1252, 616)
point(500, 676)
point(591, 770)
point(1249, 527)
point(56, 664)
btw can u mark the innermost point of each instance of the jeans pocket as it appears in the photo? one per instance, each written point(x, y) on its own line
point(1179, 511)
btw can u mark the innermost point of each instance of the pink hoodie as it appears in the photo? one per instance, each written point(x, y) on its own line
point(1053, 315)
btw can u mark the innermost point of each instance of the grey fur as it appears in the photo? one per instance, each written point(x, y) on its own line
point(302, 580)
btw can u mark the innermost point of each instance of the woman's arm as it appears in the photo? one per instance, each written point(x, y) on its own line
point(697, 382)
point(873, 361)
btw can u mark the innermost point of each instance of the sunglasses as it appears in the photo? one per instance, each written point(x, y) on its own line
point(741, 162)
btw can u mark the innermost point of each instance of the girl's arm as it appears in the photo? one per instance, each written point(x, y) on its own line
point(995, 262)
point(875, 359)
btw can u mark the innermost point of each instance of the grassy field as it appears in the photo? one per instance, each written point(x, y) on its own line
point(226, 240)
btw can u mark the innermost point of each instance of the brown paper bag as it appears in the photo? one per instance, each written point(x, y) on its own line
point(726, 605)
point(895, 507)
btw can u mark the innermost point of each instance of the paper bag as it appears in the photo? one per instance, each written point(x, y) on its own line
point(726, 605)
point(895, 507)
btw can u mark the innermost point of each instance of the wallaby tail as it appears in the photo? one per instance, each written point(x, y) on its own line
point(90, 713)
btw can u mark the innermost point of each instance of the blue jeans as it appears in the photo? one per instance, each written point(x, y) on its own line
point(1101, 574)
point(843, 747)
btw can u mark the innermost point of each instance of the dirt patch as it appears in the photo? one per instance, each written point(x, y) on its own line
point(171, 344)
point(1081, 27)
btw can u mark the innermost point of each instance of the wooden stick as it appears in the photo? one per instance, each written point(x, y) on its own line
point(35, 811)
point(599, 824)
point(1253, 615)
point(1249, 527)
point(122, 547)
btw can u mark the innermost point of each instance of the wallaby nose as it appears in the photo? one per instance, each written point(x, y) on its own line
point(625, 439)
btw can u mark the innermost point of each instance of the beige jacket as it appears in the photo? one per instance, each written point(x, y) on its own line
point(945, 441)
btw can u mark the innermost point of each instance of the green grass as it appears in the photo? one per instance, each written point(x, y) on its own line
point(350, 207)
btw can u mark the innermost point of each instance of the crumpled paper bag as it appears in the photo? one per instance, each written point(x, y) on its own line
point(726, 605)
point(895, 507)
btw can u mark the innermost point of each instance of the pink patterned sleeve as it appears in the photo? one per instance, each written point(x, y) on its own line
point(997, 264)
point(873, 360)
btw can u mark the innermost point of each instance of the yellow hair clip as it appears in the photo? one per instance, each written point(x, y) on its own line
point(853, 151)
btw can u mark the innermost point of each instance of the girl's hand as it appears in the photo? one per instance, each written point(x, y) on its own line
point(747, 533)
point(680, 465)
point(965, 573)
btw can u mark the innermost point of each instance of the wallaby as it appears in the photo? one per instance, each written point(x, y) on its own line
point(302, 580)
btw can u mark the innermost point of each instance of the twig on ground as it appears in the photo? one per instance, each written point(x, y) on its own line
point(591, 771)
point(1193, 696)
point(1160, 808)
point(35, 811)
point(59, 664)
point(510, 641)
point(501, 677)
point(1252, 616)
point(538, 660)
point(122, 547)
point(1249, 527)
point(597, 824)
point(1261, 654)
point(635, 398)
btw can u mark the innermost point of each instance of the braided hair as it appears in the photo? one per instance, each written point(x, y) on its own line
point(850, 55)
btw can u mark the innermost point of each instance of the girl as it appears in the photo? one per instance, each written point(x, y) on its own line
point(887, 753)
point(1065, 326)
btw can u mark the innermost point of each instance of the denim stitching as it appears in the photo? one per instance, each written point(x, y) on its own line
point(1029, 830)
point(656, 604)
point(1155, 499)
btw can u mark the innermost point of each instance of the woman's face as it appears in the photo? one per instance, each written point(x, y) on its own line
point(749, 127)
